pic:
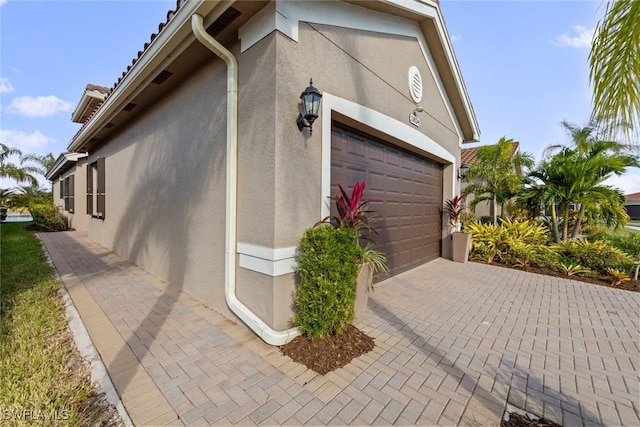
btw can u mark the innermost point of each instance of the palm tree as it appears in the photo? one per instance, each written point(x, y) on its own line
point(27, 167)
point(615, 67)
point(27, 195)
point(575, 175)
point(496, 175)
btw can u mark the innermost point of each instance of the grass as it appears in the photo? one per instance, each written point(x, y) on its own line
point(42, 377)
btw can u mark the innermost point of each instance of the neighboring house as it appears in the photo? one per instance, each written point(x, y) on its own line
point(468, 158)
point(632, 205)
point(68, 175)
point(215, 203)
point(69, 172)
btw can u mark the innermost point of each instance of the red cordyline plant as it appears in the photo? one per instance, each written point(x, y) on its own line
point(352, 210)
point(454, 209)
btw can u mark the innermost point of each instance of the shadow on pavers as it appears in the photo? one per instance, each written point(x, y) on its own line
point(488, 404)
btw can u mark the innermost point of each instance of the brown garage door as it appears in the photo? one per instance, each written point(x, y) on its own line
point(408, 220)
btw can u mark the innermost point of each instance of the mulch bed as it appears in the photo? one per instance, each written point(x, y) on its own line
point(632, 285)
point(517, 420)
point(325, 354)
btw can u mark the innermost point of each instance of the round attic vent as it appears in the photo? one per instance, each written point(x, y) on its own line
point(415, 84)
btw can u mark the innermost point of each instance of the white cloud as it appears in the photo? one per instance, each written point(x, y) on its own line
point(629, 183)
point(3, 2)
point(5, 84)
point(577, 36)
point(41, 106)
point(25, 142)
point(456, 38)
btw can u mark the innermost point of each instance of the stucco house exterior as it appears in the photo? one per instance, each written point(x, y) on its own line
point(193, 167)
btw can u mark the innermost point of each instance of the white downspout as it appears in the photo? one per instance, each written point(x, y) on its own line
point(256, 324)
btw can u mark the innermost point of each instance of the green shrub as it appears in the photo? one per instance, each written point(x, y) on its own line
point(328, 268)
point(628, 243)
point(46, 217)
point(598, 256)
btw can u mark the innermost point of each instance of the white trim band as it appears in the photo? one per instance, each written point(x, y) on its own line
point(270, 261)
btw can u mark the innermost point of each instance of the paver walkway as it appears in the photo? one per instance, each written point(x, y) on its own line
point(454, 345)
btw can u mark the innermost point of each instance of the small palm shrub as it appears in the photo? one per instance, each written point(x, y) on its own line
point(328, 269)
point(46, 217)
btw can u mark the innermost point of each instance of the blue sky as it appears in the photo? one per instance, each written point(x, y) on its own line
point(524, 63)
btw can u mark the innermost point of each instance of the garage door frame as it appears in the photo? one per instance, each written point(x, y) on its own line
point(377, 122)
point(396, 132)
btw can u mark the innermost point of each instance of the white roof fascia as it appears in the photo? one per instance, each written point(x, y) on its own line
point(63, 160)
point(84, 103)
point(162, 50)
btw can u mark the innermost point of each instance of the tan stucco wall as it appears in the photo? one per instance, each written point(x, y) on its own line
point(165, 188)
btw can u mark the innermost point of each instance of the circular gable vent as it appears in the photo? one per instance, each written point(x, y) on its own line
point(415, 84)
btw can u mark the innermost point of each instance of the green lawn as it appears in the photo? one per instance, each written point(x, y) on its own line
point(41, 381)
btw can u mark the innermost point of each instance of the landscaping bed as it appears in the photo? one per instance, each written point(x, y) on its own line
point(325, 354)
point(632, 285)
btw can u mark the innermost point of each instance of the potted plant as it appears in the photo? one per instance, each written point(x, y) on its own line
point(354, 214)
point(461, 241)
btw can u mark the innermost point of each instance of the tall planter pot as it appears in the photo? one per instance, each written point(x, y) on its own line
point(365, 279)
point(461, 246)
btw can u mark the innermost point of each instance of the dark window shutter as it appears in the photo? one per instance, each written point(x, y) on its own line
point(101, 187)
point(72, 193)
point(61, 188)
point(66, 194)
point(89, 189)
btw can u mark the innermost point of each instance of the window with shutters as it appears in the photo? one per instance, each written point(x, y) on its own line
point(68, 193)
point(96, 193)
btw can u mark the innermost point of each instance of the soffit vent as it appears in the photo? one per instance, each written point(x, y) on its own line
point(130, 106)
point(162, 77)
point(223, 21)
point(109, 125)
point(415, 84)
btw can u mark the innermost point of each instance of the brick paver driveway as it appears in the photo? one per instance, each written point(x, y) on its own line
point(455, 344)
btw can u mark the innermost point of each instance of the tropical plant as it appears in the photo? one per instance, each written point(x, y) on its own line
point(571, 269)
point(617, 276)
point(454, 209)
point(597, 256)
point(46, 217)
point(496, 177)
point(354, 215)
point(27, 167)
point(615, 67)
point(27, 195)
point(328, 266)
point(628, 243)
point(573, 177)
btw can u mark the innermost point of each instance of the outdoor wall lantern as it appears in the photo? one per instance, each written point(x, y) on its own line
point(463, 171)
point(310, 104)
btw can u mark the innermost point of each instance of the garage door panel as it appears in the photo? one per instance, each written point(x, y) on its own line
point(410, 187)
